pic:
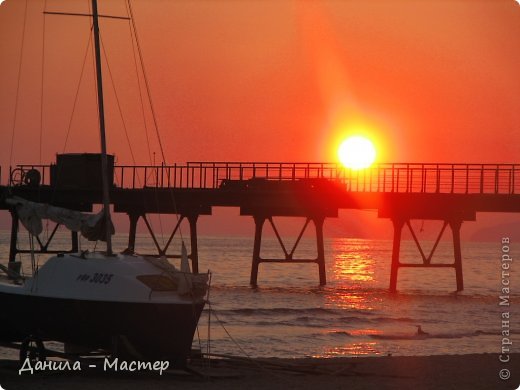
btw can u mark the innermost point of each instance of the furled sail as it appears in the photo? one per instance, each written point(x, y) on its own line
point(91, 226)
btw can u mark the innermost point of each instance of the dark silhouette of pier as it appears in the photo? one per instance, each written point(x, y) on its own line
point(451, 193)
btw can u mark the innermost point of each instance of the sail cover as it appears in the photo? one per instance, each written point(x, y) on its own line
point(31, 214)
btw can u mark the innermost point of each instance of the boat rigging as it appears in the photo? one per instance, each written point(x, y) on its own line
point(118, 304)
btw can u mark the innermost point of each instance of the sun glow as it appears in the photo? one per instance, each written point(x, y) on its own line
point(357, 152)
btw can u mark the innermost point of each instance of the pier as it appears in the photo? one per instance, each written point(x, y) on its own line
point(401, 192)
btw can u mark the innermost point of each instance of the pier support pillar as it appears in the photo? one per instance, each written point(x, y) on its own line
point(192, 219)
point(75, 242)
point(259, 225)
point(162, 251)
point(396, 248)
point(457, 252)
point(134, 218)
point(318, 223)
point(454, 223)
point(13, 247)
point(288, 257)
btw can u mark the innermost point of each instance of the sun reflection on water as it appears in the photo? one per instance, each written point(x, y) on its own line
point(349, 300)
point(353, 270)
point(352, 263)
point(354, 275)
point(353, 349)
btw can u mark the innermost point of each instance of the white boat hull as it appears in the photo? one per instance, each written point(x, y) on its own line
point(91, 301)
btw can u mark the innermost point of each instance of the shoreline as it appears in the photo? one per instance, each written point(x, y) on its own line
point(474, 371)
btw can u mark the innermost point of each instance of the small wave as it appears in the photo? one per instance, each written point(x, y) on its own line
point(391, 319)
point(484, 333)
point(408, 336)
point(284, 323)
point(311, 317)
point(399, 337)
point(341, 333)
point(314, 311)
point(495, 333)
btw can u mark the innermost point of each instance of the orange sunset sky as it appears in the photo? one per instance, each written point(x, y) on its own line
point(265, 80)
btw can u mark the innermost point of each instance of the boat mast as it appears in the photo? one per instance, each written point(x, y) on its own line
point(104, 162)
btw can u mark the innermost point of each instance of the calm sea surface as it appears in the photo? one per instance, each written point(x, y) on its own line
point(289, 315)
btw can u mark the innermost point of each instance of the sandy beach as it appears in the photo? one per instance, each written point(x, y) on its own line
point(479, 371)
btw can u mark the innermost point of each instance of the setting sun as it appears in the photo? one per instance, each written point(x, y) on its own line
point(357, 152)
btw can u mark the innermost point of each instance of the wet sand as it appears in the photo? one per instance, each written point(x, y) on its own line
point(390, 372)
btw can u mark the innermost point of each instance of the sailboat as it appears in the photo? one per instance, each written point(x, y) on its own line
point(115, 303)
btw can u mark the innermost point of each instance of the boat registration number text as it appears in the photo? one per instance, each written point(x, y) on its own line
point(95, 278)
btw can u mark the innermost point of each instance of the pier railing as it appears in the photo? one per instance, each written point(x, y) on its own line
point(393, 177)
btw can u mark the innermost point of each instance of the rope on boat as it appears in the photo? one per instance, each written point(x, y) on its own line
point(208, 346)
point(42, 81)
point(152, 110)
point(15, 114)
point(33, 260)
point(247, 357)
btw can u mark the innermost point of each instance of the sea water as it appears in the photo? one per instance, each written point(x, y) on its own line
point(289, 315)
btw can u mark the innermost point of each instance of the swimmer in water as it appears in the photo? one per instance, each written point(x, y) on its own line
point(421, 332)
